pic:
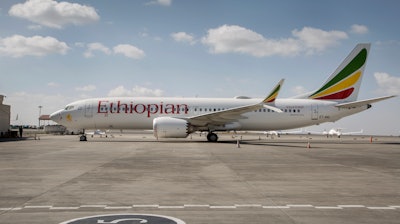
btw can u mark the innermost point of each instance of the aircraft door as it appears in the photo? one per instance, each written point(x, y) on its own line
point(314, 111)
point(88, 110)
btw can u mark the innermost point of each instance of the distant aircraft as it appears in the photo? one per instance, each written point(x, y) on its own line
point(337, 131)
point(179, 117)
point(279, 133)
point(98, 132)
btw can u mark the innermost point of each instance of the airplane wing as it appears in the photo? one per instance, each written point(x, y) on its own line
point(234, 114)
point(363, 102)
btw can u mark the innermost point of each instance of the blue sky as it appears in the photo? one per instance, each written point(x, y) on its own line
point(56, 52)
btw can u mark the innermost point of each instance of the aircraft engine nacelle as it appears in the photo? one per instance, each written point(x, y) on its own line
point(169, 127)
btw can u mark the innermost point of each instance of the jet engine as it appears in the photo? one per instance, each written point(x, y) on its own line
point(169, 127)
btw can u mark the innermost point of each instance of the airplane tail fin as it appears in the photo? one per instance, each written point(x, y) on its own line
point(343, 85)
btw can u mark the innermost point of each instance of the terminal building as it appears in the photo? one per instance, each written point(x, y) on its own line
point(4, 117)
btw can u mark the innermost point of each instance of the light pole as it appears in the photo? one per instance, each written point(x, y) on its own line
point(40, 113)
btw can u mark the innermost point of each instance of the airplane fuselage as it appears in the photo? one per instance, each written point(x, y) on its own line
point(139, 113)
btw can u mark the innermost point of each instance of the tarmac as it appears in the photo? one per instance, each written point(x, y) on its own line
point(287, 179)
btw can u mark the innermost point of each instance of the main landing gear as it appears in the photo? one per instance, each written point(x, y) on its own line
point(212, 137)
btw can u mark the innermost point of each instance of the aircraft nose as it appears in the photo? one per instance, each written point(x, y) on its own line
point(56, 116)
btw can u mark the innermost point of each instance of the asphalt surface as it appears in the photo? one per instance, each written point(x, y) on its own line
point(279, 180)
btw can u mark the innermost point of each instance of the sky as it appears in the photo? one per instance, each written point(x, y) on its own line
point(56, 52)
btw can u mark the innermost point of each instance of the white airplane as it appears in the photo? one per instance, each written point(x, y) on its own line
point(280, 132)
point(179, 117)
point(98, 132)
point(336, 131)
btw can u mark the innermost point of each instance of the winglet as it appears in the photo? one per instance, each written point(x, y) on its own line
point(274, 93)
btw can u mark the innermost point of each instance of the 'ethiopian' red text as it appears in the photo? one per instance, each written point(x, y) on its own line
point(105, 107)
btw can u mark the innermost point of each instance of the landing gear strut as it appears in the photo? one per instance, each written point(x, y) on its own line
point(212, 137)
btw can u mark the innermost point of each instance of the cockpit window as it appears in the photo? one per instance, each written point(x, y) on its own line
point(69, 108)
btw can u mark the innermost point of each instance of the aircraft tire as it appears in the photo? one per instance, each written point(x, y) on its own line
point(82, 138)
point(211, 137)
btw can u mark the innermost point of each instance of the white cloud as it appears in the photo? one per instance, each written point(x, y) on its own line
point(96, 47)
point(35, 27)
point(52, 84)
point(318, 40)
point(54, 14)
point(183, 37)
point(87, 88)
point(232, 38)
point(135, 91)
point(387, 84)
point(160, 2)
point(19, 46)
point(359, 29)
point(226, 39)
point(129, 51)
point(299, 90)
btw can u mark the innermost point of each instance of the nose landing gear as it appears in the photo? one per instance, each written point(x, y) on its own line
point(83, 137)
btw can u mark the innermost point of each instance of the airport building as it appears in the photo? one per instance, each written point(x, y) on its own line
point(4, 117)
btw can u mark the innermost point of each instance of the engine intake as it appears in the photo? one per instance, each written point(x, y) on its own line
point(169, 127)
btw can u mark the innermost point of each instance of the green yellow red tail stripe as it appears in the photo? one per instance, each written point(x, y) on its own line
point(342, 85)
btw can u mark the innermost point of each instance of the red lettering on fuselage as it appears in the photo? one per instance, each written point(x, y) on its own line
point(105, 107)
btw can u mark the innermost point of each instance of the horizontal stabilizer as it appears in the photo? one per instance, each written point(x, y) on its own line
point(363, 102)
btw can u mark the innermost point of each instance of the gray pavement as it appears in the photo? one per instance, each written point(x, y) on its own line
point(279, 180)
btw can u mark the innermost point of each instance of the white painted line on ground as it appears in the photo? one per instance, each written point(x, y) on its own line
point(64, 208)
point(235, 206)
point(118, 207)
point(196, 206)
point(381, 208)
point(38, 206)
point(93, 206)
point(278, 207)
point(327, 207)
point(351, 206)
point(171, 206)
point(300, 206)
point(145, 206)
point(11, 209)
point(223, 206)
point(248, 205)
